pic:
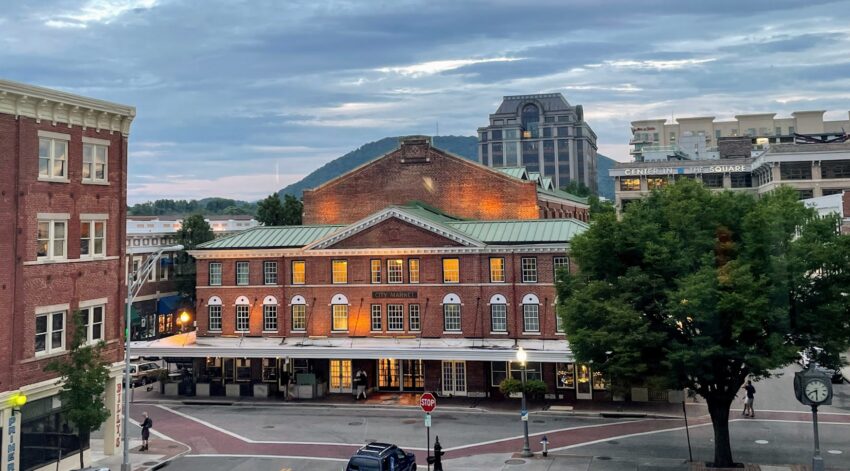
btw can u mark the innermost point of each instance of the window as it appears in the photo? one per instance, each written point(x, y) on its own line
point(529, 270)
point(299, 272)
point(270, 317)
point(717, 133)
point(214, 312)
point(559, 321)
point(497, 270)
point(599, 381)
point(791, 130)
point(395, 317)
point(742, 180)
point(795, 170)
point(93, 318)
point(413, 317)
point(215, 273)
point(499, 317)
point(340, 317)
point(92, 239)
point(531, 318)
point(565, 375)
point(340, 271)
point(777, 131)
point(395, 271)
point(299, 317)
point(451, 270)
point(49, 333)
point(655, 182)
point(52, 241)
point(533, 371)
point(375, 269)
point(451, 317)
point(377, 318)
point(94, 163)
point(242, 273)
point(242, 317)
point(498, 372)
point(413, 270)
point(629, 184)
point(712, 180)
point(835, 169)
point(560, 262)
point(53, 158)
point(270, 273)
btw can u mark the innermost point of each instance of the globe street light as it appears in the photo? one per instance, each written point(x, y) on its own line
point(522, 357)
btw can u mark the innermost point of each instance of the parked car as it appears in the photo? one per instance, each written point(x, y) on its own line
point(381, 457)
point(834, 373)
point(145, 372)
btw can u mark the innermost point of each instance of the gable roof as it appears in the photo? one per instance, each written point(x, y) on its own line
point(522, 231)
point(271, 237)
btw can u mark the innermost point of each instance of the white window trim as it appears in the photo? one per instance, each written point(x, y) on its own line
point(92, 180)
point(220, 274)
point(89, 312)
point(51, 239)
point(277, 319)
point(419, 316)
point(347, 318)
point(96, 141)
point(380, 320)
point(94, 216)
point(236, 317)
point(91, 222)
point(93, 302)
point(333, 277)
point(247, 266)
point(48, 348)
point(220, 317)
point(292, 318)
point(54, 136)
point(400, 272)
point(53, 308)
point(266, 273)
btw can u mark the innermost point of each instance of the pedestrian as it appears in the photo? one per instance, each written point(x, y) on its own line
point(748, 402)
point(146, 431)
point(285, 383)
point(361, 380)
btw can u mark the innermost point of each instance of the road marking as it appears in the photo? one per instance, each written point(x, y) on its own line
point(620, 437)
point(834, 452)
point(282, 457)
point(762, 442)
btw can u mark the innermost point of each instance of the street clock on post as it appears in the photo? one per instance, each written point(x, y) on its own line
point(812, 387)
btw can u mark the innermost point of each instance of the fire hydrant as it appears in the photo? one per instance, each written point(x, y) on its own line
point(437, 459)
point(545, 443)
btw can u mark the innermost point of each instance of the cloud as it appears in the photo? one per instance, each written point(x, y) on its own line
point(436, 67)
point(653, 64)
point(98, 11)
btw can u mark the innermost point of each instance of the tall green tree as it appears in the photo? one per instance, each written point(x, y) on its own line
point(270, 211)
point(700, 289)
point(577, 188)
point(194, 231)
point(292, 209)
point(84, 374)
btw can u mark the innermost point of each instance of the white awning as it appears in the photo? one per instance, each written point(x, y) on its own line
point(187, 346)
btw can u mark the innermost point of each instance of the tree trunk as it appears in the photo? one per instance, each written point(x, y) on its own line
point(80, 436)
point(718, 407)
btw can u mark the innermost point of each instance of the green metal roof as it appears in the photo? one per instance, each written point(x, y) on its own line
point(562, 195)
point(521, 231)
point(516, 172)
point(547, 184)
point(271, 237)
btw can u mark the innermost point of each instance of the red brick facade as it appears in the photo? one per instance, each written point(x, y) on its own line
point(27, 284)
point(419, 172)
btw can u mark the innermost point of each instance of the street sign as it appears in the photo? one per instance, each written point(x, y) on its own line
point(427, 402)
point(524, 415)
point(428, 420)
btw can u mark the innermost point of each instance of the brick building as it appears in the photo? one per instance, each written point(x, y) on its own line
point(63, 187)
point(416, 171)
point(414, 295)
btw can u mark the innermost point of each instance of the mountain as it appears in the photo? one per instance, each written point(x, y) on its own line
point(603, 181)
point(464, 146)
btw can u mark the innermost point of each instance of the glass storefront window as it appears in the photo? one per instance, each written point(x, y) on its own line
point(45, 433)
point(533, 370)
point(599, 381)
point(655, 182)
point(565, 375)
point(629, 184)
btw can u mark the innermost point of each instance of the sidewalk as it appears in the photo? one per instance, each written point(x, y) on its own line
point(161, 450)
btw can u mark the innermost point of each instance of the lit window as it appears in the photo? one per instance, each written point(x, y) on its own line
point(340, 317)
point(299, 272)
point(599, 381)
point(49, 333)
point(451, 317)
point(565, 375)
point(629, 184)
point(531, 317)
point(93, 318)
point(92, 239)
point(242, 273)
point(395, 317)
point(242, 317)
point(52, 159)
point(413, 270)
point(94, 163)
point(270, 317)
point(270, 273)
point(529, 270)
point(52, 240)
point(395, 270)
point(655, 182)
point(340, 271)
point(497, 270)
point(499, 317)
point(299, 317)
point(215, 273)
point(413, 317)
point(377, 318)
point(451, 270)
point(376, 271)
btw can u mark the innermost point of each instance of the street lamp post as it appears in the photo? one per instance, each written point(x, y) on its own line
point(522, 357)
point(135, 281)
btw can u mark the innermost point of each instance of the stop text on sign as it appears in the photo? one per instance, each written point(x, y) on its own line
point(427, 402)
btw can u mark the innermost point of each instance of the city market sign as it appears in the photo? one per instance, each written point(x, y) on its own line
point(689, 170)
point(394, 294)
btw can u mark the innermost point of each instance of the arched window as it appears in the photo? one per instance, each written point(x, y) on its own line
point(214, 313)
point(243, 309)
point(339, 313)
point(298, 306)
point(269, 314)
point(530, 313)
point(451, 313)
point(498, 313)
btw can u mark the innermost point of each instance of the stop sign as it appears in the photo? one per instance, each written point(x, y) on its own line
point(427, 402)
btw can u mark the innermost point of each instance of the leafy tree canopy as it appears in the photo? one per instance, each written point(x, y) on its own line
point(577, 188)
point(271, 212)
point(208, 206)
point(194, 231)
point(701, 289)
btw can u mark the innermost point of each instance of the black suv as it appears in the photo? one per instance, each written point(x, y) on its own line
point(381, 457)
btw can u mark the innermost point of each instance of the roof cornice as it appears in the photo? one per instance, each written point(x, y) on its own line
point(40, 103)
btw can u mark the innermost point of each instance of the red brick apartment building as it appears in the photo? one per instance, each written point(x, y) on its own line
point(63, 171)
point(397, 282)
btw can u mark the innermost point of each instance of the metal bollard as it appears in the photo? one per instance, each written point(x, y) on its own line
point(437, 459)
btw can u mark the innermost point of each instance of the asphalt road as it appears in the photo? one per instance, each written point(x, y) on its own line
point(225, 463)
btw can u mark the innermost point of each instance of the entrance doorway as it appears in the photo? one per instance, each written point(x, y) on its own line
point(454, 378)
point(340, 376)
point(401, 375)
point(584, 385)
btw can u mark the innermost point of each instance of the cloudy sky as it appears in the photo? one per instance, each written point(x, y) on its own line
point(240, 98)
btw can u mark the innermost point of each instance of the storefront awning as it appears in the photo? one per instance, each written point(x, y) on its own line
point(168, 304)
point(187, 346)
